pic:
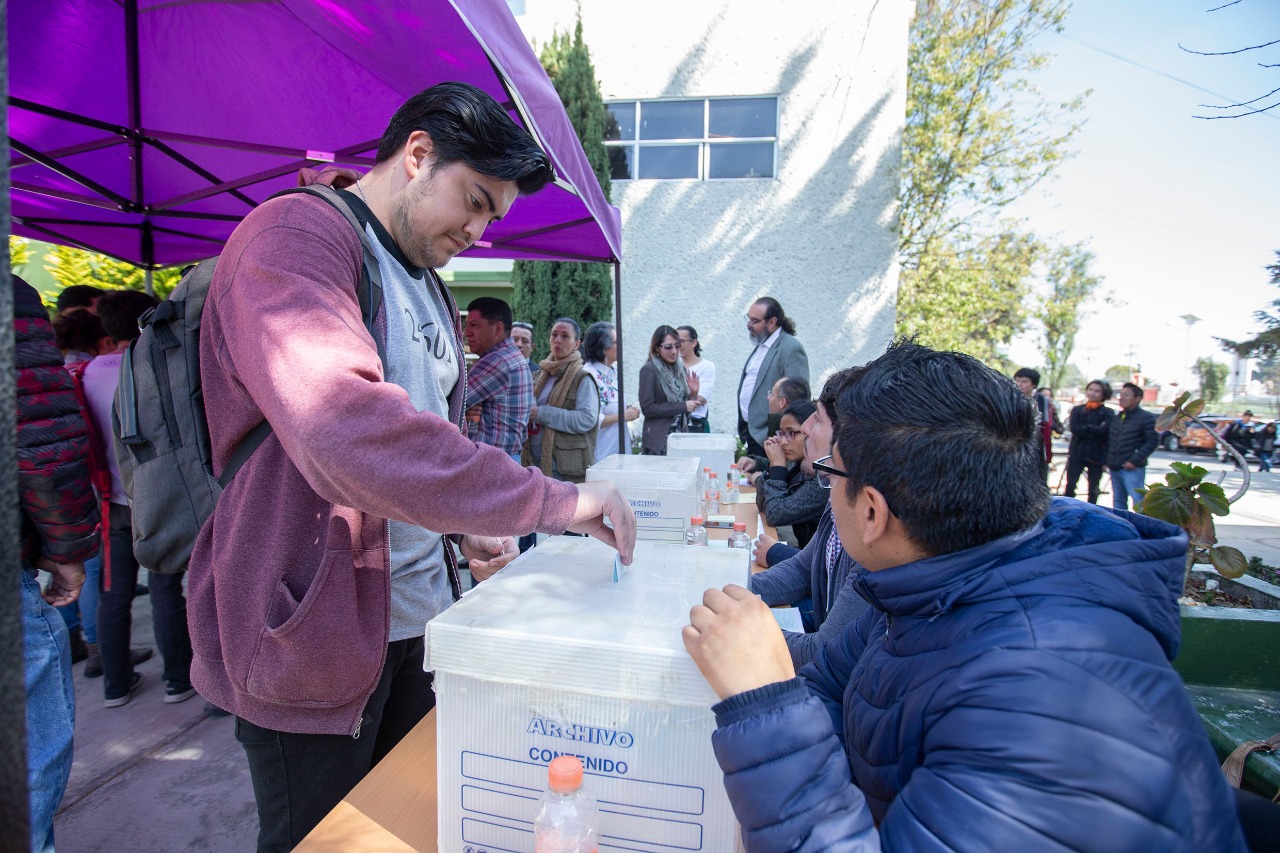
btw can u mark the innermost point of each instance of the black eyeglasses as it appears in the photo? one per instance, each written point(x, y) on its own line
point(824, 471)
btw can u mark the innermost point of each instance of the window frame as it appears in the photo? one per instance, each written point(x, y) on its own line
point(704, 143)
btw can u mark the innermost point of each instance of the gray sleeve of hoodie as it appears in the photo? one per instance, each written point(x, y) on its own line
point(789, 581)
point(846, 608)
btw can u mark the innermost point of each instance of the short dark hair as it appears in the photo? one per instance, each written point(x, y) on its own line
point(1104, 385)
point(800, 410)
point(493, 310)
point(831, 391)
point(658, 334)
point(772, 310)
point(956, 476)
point(120, 310)
point(1138, 390)
point(1028, 373)
point(79, 331)
point(794, 388)
point(78, 296)
point(467, 126)
point(693, 335)
point(573, 324)
point(599, 337)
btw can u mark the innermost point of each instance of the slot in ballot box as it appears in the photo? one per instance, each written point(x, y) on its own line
point(712, 449)
point(662, 490)
point(551, 656)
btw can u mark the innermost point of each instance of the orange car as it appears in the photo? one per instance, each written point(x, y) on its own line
point(1198, 440)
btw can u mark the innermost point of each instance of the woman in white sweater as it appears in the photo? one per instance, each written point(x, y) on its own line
point(705, 370)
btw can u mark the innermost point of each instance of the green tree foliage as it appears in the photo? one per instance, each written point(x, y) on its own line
point(977, 136)
point(545, 290)
point(1213, 377)
point(19, 254)
point(70, 266)
point(1267, 343)
point(1118, 374)
point(1071, 284)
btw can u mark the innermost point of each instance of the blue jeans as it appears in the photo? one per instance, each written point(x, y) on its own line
point(83, 612)
point(1125, 485)
point(51, 708)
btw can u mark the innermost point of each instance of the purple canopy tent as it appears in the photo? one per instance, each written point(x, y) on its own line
point(146, 129)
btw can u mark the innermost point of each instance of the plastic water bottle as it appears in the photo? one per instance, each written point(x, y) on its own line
point(739, 539)
point(731, 492)
point(713, 496)
point(567, 820)
point(696, 534)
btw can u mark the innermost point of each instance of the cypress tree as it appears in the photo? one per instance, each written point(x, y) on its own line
point(545, 290)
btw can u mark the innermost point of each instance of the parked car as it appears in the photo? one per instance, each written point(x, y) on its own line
point(1197, 439)
point(1168, 441)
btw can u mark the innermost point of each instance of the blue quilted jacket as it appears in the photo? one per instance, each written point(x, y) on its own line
point(1015, 696)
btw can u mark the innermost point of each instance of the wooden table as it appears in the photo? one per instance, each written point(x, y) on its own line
point(393, 809)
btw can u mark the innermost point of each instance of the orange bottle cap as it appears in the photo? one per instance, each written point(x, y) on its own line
point(697, 519)
point(740, 527)
point(564, 774)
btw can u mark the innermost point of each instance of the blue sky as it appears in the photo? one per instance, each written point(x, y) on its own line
point(1181, 212)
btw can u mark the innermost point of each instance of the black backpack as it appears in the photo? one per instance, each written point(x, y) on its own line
point(161, 432)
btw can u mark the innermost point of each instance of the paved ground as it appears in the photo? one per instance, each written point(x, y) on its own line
point(155, 777)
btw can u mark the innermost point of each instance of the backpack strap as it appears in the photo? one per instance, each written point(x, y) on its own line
point(368, 292)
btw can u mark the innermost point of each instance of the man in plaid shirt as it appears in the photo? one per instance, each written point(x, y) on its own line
point(499, 386)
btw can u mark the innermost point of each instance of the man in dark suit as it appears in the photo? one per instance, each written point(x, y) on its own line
point(777, 353)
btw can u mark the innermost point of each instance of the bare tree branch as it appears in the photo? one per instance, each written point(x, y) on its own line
point(1242, 103)
point(1242, 115)
point(1224, 5)
point(1227, 52)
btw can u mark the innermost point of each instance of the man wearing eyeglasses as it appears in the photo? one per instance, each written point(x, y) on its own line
point(1008, 689)
point(777, 353)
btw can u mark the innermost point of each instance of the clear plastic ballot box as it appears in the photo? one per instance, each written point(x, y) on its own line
point(549, 657)
point(662, 490)
point(712, 449)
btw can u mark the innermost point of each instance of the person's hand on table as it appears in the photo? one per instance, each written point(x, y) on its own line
point(597, 501)
point(746, 464)
point(67, 581)
point(486, 554)
point(736, 642)
point(762, 545)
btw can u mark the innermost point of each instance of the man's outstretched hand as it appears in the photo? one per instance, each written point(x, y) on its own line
point(487, 554)
point(736, 642)
point(600, 500)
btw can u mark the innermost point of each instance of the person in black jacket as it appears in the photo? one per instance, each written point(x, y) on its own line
point(1090, 429)
point(1133, 437)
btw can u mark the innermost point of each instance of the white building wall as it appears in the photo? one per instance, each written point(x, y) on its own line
point(819, 237)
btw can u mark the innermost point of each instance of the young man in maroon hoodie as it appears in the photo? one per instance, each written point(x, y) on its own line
point(331, 548)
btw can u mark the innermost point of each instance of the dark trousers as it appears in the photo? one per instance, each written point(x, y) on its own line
point(753, 447)
point(298, 779)
point(115, 614)
point(1077, 466)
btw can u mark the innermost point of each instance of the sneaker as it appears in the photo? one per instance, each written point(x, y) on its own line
point(178, 691)
point(134, 684)
point(93, 669)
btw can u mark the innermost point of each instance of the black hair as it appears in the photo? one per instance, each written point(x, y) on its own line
point(573, 324)
point(1138, 390)
point(658, 334)
point(1028, 373)
point(120, 310)
point(1104, 385)
point(599, 337)
point(79, 331)
point(800, 409)
point(793, 388)
point(78, 296)
point(773, 310)
point(693, 335)
point(958, 475)
point(467, 126)
point(493, 310)
point(831, 391)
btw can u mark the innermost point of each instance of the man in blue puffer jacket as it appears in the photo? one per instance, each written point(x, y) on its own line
point(1010, 686)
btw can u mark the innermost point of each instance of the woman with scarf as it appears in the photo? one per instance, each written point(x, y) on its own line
point(668, 393)
point(1090, 432)
point(566, 409)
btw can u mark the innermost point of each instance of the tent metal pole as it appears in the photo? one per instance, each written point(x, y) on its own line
point(623, 444)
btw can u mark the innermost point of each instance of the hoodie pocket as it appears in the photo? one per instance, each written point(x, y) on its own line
point(326, 649)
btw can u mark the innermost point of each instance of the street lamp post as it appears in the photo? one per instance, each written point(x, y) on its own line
point(1190, 320)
